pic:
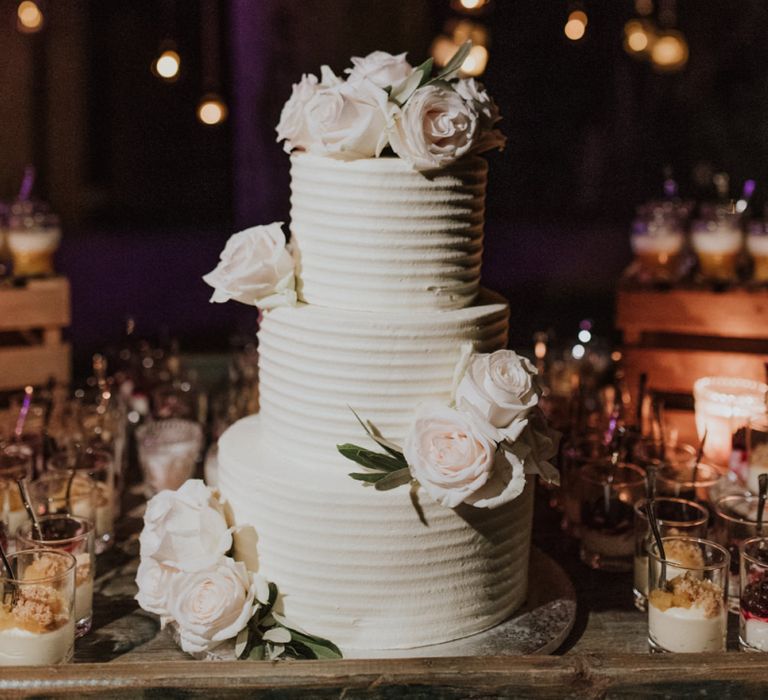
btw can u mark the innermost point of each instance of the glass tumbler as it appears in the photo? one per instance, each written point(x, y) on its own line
point(753, 602)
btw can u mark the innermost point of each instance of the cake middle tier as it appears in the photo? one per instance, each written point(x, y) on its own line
point(315, 364)
point(375, 234)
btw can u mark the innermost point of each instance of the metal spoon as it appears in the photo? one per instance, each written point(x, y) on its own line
point(699, 457)
point(762, 482)
point(36, 532)
point(659, 543)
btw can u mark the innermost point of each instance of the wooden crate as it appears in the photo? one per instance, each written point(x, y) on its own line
point(679, 335)
point(31, 322)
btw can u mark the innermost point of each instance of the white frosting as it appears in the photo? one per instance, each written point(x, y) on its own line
point(687, 630)
point(717, 242)
point(316, 363)
point(375, 234)
point(19, 647)
point(757, 245)
point(356, 565)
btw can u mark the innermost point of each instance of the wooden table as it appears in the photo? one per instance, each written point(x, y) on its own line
point(127, 656)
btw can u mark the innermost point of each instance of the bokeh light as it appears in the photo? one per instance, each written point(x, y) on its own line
point(669, 52)
point(167, 65)
point(475, 63)
point(29, 16)
point(211, 110)
point(576, 26)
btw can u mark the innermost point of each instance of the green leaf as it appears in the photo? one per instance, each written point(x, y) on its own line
point(426, 70)
point(394, 479)
point(451, 68)
point(372, 460)
point(377, 437)
point(257, 653)
point(416, 504)
point(241, 642)
point(369, 478)
point(319, 647)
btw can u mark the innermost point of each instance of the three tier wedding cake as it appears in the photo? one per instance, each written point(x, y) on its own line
point(385, 485)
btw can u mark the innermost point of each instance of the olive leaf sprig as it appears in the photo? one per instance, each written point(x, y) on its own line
point(269, 635)
point(389, 469)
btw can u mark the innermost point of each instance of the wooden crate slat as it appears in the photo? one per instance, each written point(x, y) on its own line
point(736, 313)
point(41, 304)
point(34, 365)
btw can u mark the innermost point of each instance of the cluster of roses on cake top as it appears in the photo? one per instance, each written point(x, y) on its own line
point(384, 102)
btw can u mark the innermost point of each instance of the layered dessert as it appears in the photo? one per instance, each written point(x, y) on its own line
point(757, 464)
point(83, 589)
point(685, 554)
point(717, 245)
point(37, 627)
point(757, 247)
point(688, 616)
point(754, 612)
point(658, 249)
point(608, 534)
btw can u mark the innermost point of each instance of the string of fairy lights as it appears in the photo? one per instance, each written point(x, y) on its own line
point(649, 36)
point(167, 64)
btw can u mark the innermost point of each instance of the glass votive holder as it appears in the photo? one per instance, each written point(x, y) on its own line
point(575, 454)
point(74, 535)
point(607, 494)
point(687, 610)
point(37, 608)
point(735, 522)
point(97, 464)
point(753, 603)
point(678, 481)
point(15, 463)
point(676, 517)
point(723, 405)
point(168, 452)
point(757, 452)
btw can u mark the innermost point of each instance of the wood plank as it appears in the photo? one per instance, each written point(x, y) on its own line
point(589, 676)
point(676, 370)
point(737, 313)
point(42, 303)
point(34, 365)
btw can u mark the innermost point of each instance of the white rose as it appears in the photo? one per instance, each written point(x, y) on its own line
point(349, 120)
point(448, 455)
point(381, 68)
point(153, 580)
point(434, 128)
point(476, 94)
point(212, 606)
point(185, 529)
point(255, 268)
point(292, 127)
point(501, 386)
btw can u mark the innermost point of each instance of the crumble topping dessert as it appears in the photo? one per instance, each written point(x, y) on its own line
point(688, 592)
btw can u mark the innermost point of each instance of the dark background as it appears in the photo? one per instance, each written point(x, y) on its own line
point(148, 195)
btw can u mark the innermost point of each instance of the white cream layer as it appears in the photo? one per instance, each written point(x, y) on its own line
point(687, 630)
point(756, 633)
point(356, 565)
point(20, 647)
point(667, 243)
point(375, 234)
point(717, 242)
point(317, 363)
point(757, 245)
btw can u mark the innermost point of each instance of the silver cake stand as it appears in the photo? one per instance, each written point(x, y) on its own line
point(539, 627)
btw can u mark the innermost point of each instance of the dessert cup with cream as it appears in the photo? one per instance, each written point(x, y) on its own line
point(37, 608)
point(757, 452)
point(753, 603)
point(676, 517)
point(74, 535)
point(574, 455)
point(718, 243)
point(757, 247)
point(678, 481)
point(607, 494)
point(687, 608)
point(98, 465)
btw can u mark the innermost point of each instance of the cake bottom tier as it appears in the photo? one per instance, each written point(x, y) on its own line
point(368, 569)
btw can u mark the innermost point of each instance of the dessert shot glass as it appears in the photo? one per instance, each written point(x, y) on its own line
point(687, 607)
point(70, 493)
point(757, 451)
point(15, 463)
point(753, 602)
point(678, 455)
point(37, 608)
point(96, 464)
point(169, 451)
point(74, 535)
point(717, 243)
point(607, 495)
point(678, 481)
point(575, 454)
point(735, 522)
point(676, 517)
point(757, 246)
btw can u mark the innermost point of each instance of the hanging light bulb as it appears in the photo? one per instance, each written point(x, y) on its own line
point(576, 26)
point(29, 17)
point(167, 65)
point(211, 110)
point(669, 52)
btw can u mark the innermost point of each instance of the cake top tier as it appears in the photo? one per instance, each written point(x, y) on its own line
point(375, 234)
